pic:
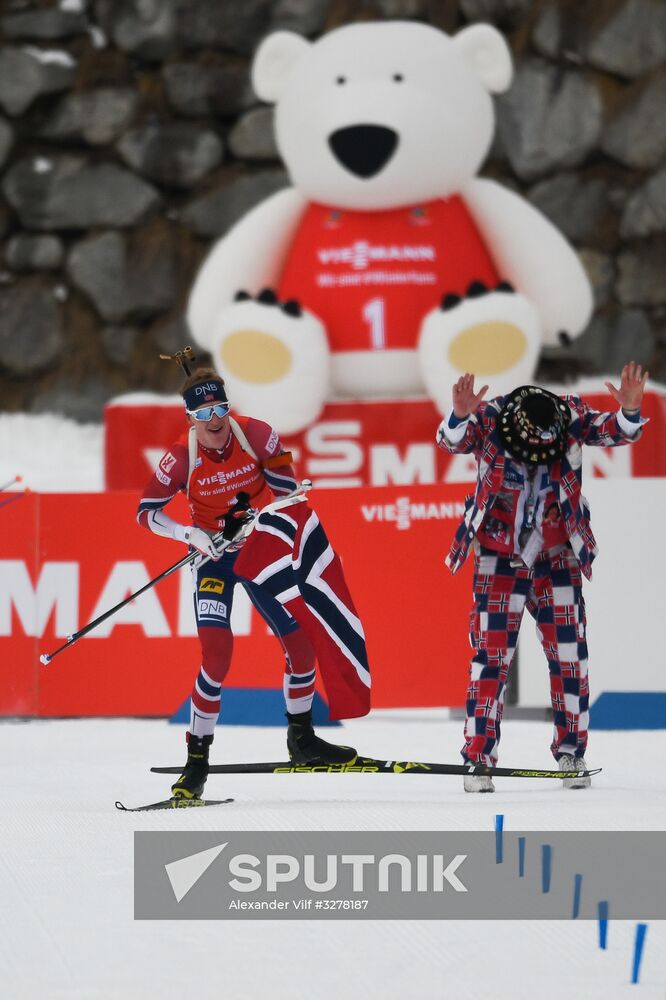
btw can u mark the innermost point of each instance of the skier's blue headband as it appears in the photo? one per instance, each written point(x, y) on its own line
point(211, 391)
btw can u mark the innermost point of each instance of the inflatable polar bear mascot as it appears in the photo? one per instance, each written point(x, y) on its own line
point(389, 268)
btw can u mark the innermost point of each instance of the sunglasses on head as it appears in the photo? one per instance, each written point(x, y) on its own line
point(206, 412)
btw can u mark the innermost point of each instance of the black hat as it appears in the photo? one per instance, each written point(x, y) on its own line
point(533, 424)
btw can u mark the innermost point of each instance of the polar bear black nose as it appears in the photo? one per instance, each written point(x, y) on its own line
point(363, 149)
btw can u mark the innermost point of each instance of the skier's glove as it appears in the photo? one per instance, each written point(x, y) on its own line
point(202, 542)
point(237, 516)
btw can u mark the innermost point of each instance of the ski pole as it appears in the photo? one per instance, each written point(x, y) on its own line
point(71, 639)
point(10, 482)
point(294, 497)
point(15, 496)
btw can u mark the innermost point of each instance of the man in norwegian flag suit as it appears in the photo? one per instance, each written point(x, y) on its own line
point(230, 467)
point(528, 525)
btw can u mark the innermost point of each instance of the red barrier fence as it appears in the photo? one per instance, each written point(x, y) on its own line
point(357, 444)
point(67, 558)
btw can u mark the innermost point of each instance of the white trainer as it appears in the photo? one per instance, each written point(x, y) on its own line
point(568, 762)
point(478, 783)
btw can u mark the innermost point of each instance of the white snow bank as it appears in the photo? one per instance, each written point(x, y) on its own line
point(51, 453)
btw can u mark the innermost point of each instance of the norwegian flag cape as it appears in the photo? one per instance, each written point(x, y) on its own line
point(290, 556)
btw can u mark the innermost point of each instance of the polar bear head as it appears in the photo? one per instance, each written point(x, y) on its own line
point(357, 109)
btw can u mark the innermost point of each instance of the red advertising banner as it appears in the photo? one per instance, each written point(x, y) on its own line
point(357, 444)
point(65, 559)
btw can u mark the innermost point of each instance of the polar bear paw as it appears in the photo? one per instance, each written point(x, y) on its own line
point(274, 358)
point(494, 333)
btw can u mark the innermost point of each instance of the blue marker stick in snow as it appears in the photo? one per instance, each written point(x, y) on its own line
point(546, 866)
point(578, 882)
point(641, 931)
point(499, 839)
point(602, 909)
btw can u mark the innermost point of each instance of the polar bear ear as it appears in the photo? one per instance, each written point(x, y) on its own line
point(486, 51)
point(273, 62)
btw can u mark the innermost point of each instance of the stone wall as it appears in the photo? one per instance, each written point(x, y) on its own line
point(130, 139)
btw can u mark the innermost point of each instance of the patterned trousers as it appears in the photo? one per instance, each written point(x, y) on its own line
point(552, 592)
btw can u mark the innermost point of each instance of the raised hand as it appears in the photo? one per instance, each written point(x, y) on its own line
point(632, 387)
point(465, 400)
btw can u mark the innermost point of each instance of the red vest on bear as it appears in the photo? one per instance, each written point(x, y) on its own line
point(371, 277)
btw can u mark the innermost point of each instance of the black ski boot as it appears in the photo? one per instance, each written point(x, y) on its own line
point(305, 747)
point(191, 783)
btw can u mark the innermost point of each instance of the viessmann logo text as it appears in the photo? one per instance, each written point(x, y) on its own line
point(361, 253)
point(225, 477)
point(404, 511)
point(60, 598)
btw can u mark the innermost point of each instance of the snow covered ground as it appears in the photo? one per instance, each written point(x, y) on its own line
point(66, 877)
point(51, 453)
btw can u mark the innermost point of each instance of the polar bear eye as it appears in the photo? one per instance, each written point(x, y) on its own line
point(398, 77)
point(341, 79)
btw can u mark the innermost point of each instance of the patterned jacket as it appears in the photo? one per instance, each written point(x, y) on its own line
point(482, 439)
